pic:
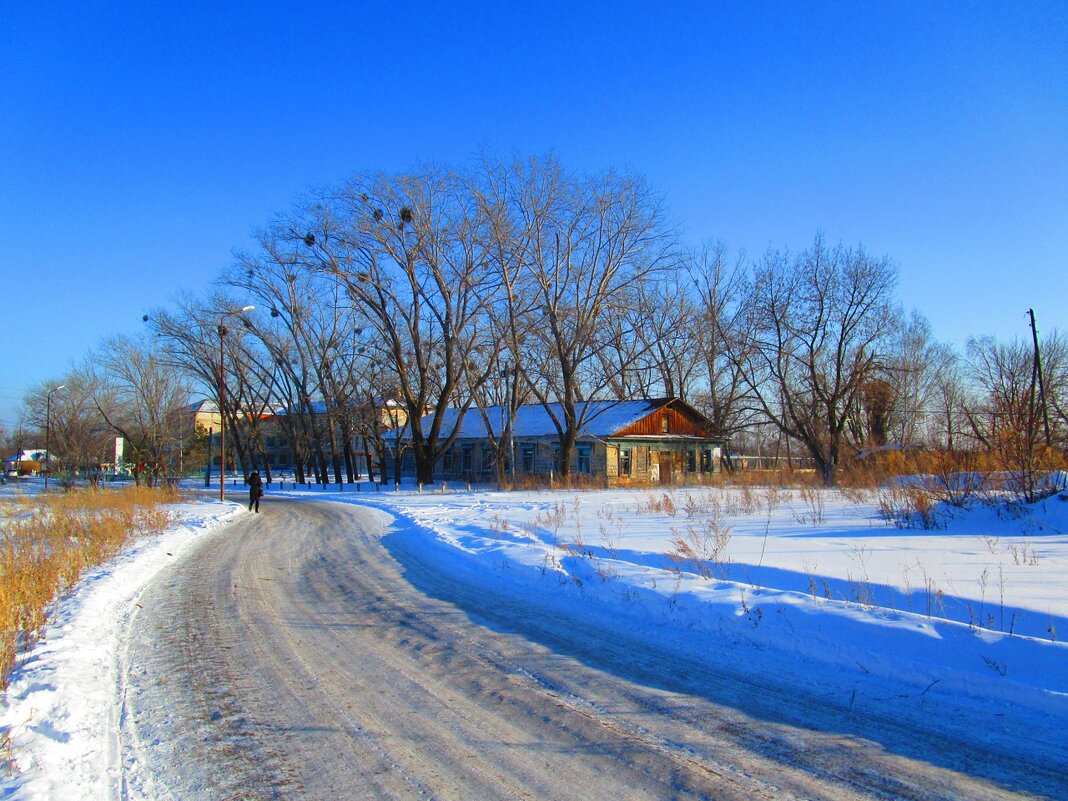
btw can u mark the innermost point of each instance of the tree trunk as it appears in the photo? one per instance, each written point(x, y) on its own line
point(567, 449)
point(335, 456)
point(367, 460)
point(827, 470)
point(424, 464)
point(350, 457)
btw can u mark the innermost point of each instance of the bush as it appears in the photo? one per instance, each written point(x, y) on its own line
point(48, 541)
point(908, 506)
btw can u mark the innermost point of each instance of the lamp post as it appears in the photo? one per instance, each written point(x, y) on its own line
point(48, 431)
point(222, 397)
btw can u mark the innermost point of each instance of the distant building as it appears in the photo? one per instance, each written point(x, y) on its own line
point(205, 415)
point(623, 443)
point(26, 462)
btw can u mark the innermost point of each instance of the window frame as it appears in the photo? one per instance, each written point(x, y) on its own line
point(528, 456)
point(584, 457)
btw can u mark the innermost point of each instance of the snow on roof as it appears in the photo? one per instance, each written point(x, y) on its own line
point(602, 418)
point(319, 406)
point(204, 406)
point(36, 455)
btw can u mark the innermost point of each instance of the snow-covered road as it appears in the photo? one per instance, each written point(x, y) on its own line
point(310, 652)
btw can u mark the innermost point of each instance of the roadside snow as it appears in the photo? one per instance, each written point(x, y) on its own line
point(976, 606)
point(60, 709)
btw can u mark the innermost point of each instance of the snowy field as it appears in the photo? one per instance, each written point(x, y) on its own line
point(976, 608)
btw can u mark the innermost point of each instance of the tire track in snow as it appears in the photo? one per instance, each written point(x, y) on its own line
point(293, 656)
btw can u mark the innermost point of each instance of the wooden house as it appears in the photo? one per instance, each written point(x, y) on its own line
point(621, 443)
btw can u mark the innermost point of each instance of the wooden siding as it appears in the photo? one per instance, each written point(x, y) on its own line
point(679, 421)
point(665, 463)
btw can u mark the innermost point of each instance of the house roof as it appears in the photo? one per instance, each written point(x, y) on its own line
point(602, 419)
point(319, 406)
point(204, 406)
point(35, 455)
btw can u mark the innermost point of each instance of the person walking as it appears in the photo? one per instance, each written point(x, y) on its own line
point(255, 490)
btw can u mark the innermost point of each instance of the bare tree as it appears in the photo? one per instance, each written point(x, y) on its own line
point(721, 290)
point(314, 335)
point(1002, 414)
point(597, 240)
point(513, 204)
point(817, 332)
point(143, 398)
point(1000, 373)
point(1055, 370)
point(189, 340)
point(407, 252)
point(653, 340)
point(80, 440)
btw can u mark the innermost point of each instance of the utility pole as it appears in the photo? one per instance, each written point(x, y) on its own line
point(1036, 372)
point(48, 432)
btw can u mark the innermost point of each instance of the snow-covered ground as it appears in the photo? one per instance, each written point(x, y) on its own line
point(61, 706)
point(976, 608)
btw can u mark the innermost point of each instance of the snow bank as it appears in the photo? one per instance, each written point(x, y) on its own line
point(975, 607)
point(60, 709)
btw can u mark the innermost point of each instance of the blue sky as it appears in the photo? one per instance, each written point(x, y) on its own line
point(140, 143)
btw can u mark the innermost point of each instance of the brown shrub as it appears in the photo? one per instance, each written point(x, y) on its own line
point(48, 541)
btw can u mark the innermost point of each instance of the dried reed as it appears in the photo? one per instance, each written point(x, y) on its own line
point(48, 541)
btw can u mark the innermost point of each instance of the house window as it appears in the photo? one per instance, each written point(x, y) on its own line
point(556, 457)
point(691, 461)
point(706, 460)
point(526, 451)
point(446, 461)
point(489, 459)
point(585, 454)
point(270, 442)
point(665, 424)
point(624, 462)
point(467, 458)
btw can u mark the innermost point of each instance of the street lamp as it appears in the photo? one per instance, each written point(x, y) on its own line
point(48, 431)
point(222, 397)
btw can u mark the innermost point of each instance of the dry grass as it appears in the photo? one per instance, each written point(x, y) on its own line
point(47, 542)
point(703, 543)
point(782, 477)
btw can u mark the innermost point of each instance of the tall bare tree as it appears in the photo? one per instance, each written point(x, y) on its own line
point(313, 333)
point(407, 252)
point(597, 240)
point(817, 332)
point(143, 397)
point(721, 288)
point(189, 340)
